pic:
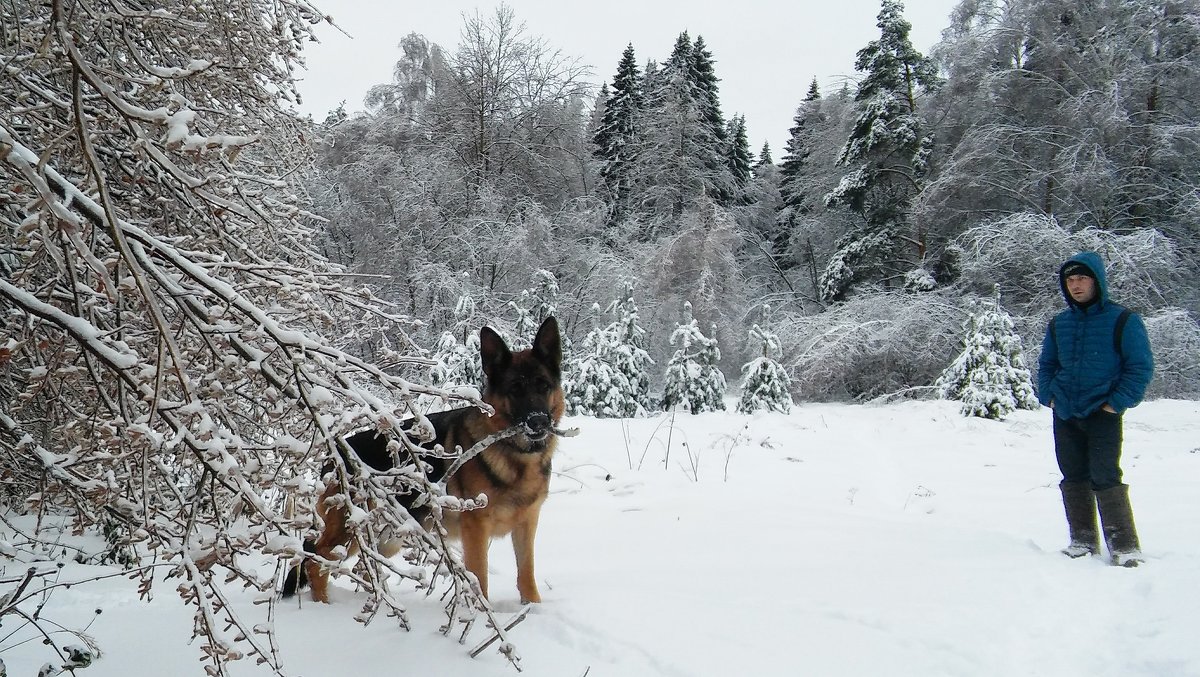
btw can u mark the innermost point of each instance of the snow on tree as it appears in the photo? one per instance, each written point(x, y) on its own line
point(919, 279)
point(597, 388)
point(989, 376)
point(680, 147)
point(458, 363)
point(173, 358)
point(741, 160)
point(532, 308)
point(765, 383)
point(629, 356)
point(764, 156)
point(615, 134)
point(612, 379)
point(886, 155)
point(796, 152)
point(693, 378)
point(545, 295)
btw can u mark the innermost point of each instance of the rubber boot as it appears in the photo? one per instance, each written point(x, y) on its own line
point(1080, 505)
point(1120, 534)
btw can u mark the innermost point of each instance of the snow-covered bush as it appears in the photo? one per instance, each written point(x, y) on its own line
point(610, 378)
point(765, 383)
point(1023, 252)
point(693, 378)
point(1175, 340)
point(989, 376)
point(872, 345)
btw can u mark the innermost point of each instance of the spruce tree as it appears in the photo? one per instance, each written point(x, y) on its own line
point(544, 294)
point(629, 356)
point(612, 378)
point(765, 383)
point(739, 158)
point(797, 150)
point(601, 134)
point(456, 362)
point(794, 175)
point(989, 376)
point(615, 135)
point(524, 326)
point(703, 78)
point(886, 154)
point(598, 389)
point(532, 308)
point(693, 378)
point(764, 157)
point(680, 156)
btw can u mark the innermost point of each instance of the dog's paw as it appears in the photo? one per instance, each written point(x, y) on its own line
point(508, 606)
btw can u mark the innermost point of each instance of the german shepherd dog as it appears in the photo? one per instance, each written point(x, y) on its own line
point(525, 390)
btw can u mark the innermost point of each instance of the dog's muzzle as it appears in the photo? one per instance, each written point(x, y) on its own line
point(537, 427)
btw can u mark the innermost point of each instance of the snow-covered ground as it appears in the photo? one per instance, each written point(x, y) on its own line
point(838, 540)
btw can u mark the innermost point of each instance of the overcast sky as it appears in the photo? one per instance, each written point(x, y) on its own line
point(766, 52)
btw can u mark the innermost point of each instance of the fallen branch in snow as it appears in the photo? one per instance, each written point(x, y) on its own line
point(32, 589)
point(498, 634)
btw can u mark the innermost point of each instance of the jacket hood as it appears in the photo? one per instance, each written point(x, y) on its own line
point(1095, 264)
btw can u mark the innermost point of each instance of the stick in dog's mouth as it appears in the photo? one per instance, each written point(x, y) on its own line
point(488, 441)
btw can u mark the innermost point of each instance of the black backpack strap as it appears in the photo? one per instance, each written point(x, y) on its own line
point(1122, 320)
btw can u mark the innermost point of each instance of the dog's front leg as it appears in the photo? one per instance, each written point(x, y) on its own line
point(522, 538)
point(333, 535)
point(475, 539)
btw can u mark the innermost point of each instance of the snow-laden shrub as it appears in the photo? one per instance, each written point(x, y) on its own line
point(693, 378)
point(871, 345)
point(610, 378)
point(1175, 340)
point(765, 383)
point(989, 376)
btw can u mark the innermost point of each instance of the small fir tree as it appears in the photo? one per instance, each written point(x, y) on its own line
point(989, 376)
point(532, 308)
point(629, 355)
point(545, 295)
point(457, 363)
point(764, 156)
point(765, 383)
point(612, 375)
point(693, 378)
point(598, 388)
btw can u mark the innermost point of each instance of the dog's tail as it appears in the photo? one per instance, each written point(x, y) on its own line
point(297, 579)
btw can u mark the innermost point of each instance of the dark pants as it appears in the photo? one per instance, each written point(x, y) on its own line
point(1089, 449)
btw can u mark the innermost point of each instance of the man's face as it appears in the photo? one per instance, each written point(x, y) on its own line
point(1082, 288)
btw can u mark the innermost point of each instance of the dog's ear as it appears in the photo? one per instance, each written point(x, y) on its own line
point(547, 345)
point(493, 352)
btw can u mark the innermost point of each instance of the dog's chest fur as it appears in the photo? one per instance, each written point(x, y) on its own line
point(515, 479)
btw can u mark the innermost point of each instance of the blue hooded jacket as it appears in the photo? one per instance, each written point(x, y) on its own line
point(1080, 369)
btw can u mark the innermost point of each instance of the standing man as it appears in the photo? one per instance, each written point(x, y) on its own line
point(1095, 364)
